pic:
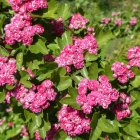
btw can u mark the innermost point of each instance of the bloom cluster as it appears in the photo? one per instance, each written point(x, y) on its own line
point(72, 121)
point(118, 22)
point(133, 21)
point(77, 21)
point(57, 26)
point(95, 93)
point(72, 55)
point(25, 6)
point(122, 109)
point(105, 20)
point(37, 136)
point(7, 71)
point(133, 56)
point(24, 131)
point(122, 72)
point(36, 98)
point(21, 29)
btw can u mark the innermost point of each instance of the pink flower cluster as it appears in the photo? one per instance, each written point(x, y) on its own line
point(57, 26)
point(87, 43)
point(94, 93)
point(105, 20)
point(36, 98)
point(122, 109)
point(77, 21)
point(7, 71)
point(37, 136)
point(72, 121)
point(25, 6)
point(21, 30)
point(133, 21)
point(24, 131)
point(54, 129)
point(72, 55)
point(118, 22)
point(122, 72)
point(133, 56)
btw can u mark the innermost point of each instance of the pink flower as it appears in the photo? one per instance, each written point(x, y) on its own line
point(122, 72)
point(35, 99)
point(72, 121)
point(7, 71)
point(118, 22)
point(11, 124)
point(21, 30)
point(24, 131)
point(105, 20)
point(122, 109)
point(77, 21)
point(133, 56)
point(72, 55)
point(133, 21)
point(94, 93)
point(37, 136)
point(25, 6)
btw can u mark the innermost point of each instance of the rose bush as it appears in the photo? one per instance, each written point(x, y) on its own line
point(63, 76)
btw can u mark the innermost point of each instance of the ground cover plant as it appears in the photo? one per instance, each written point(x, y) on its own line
point(69, 70)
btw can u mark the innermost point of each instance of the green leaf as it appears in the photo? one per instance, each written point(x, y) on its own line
point(38, 120)
point(10, 87)
point(90, 57)
point(25, 82)
point(39, 47)
point(64, 83)
point(96, 131)
point(55, 48)
point(108, 126)
point(104, 37)
point(46, 127)
point(70, 101)
point(28, 115)
point(34, 64)
point(64, 11)
point(136, 82)
point(84, 72)
point(51, 11)
point(66, 40)
point(13, 132)
point(108, 72)
point(130, 130)
point(3, 51)
point(93, 71)
point(42, 77)
point(73, 92)
point(61, 135)
point(19, 60)
point(77, 78)
point(2, 96)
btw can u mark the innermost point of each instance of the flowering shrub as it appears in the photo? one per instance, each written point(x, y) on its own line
point(63, 76)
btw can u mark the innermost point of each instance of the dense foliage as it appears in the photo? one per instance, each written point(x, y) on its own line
point(69, 70)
